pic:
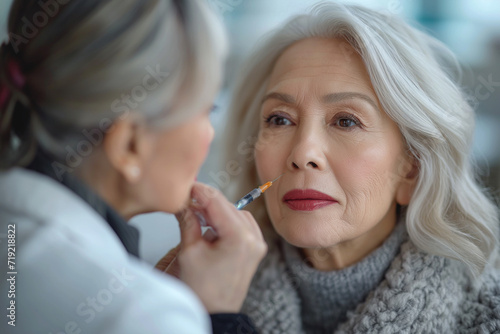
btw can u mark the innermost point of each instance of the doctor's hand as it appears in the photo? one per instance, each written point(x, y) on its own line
point(169, 263)
point(219, 270)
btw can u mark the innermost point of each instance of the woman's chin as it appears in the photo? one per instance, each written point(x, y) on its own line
point(308, 237)
point(302, 243)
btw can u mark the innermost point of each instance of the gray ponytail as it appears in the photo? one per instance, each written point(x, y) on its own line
point(89, 62)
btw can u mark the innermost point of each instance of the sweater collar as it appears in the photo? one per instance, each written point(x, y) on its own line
point(419, 292)
point(128, 235)
point(328, 296)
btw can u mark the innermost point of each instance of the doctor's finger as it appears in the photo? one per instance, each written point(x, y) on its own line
point(189, 226)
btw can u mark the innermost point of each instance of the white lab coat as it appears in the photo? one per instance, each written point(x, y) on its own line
point(73, 273)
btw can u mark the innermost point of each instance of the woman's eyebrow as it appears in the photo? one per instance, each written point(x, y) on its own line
point(329, 98)
point(278, 96)
point(336, 97)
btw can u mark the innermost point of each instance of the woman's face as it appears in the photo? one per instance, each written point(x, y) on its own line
point(343, 158)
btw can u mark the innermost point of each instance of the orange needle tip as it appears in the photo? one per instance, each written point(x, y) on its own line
point(266, 185)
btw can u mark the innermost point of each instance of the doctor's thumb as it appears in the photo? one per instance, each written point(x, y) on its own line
point(189, 226)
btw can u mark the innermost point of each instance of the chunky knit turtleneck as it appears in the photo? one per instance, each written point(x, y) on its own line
point(328, 296)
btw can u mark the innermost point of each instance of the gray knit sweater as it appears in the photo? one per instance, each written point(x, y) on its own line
point(396, 289)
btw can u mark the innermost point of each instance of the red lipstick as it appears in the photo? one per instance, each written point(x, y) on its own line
point(307, 199)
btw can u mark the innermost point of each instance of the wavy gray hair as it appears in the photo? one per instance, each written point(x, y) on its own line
point(88, 62)
point(415, 79)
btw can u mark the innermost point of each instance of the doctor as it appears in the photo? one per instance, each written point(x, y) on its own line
point(104, 114)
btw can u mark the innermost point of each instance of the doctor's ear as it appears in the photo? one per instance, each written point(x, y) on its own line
point(127, 147)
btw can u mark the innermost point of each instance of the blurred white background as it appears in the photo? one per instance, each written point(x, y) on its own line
point(471, 28)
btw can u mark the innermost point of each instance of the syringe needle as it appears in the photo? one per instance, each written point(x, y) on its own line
point(266, 185)
point(277, 178)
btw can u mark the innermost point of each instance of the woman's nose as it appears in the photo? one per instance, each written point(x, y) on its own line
point(307, 151)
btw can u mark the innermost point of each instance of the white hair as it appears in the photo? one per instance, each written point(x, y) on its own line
point(84, 65)
point(415, 79)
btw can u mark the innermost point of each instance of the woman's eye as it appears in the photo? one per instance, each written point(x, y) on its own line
point(346, 122)
point(278, 120)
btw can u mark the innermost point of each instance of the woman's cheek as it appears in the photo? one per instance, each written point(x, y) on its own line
point(266, 138)
point(367, 175)
point(268, 158)
point(260, 164)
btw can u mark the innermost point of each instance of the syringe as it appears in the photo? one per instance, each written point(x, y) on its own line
point(240, 204)
point(255, 193)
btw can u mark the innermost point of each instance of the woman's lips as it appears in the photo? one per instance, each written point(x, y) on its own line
point(307, 199)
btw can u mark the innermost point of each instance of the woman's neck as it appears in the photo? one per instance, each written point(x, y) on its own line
point(349, 252)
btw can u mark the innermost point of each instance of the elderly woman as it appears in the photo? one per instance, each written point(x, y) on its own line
point(378, 223)
point(104, 114)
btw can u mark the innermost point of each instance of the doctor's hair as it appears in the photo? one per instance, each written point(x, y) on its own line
point(71, 68)
point(417, 81)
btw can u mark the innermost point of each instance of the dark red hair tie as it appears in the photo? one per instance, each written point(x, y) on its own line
point(14, 76)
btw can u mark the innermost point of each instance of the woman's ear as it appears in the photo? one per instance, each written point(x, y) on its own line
point(124, 147)
point(408, 179)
